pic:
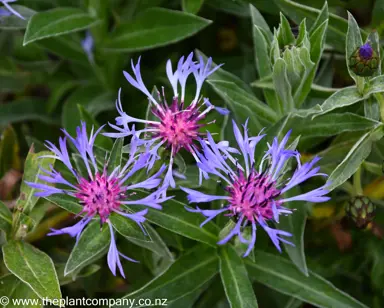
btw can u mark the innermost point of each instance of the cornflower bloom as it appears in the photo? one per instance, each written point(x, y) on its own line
point(9, 10)
point(99, 192)
point(177, 125)
point(88, 45)
point(254, 195)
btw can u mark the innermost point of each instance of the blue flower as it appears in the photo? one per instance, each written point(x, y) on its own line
point(254, 194)
point(88, 45)
point(99, 192)
point(177, 125)
point(9, 10)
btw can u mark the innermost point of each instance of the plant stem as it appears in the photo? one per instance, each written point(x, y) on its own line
point(358, 189)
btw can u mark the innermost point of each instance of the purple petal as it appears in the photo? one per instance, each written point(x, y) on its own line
point(195, 196)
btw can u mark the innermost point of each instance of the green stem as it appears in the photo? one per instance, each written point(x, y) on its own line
point(360, 83)
point(380, 99)
point(357, 182)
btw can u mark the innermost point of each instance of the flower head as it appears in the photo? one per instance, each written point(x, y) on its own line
point(177, 125)
point(100, 192)
point(88, 45)
point(366, 51)
point(254, 194)
point(9, 10)
point(364, 61)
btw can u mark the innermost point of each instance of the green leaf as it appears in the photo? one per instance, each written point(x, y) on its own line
point(68, 203)
point(281, 275)
point(244, 105)
point(65, 47)
point(354, 158)
point(259, 21)
point(373, 168)
point(222, 75)
point(153, 28)
point(25, 109)
point(341, 122)
point(13, 288)
point(13, 22)
point(261, 49)
point(238, 8)
point(317, 40)
point(5, 218)
point(115, 157)
point(176, 218)
point(81, 273)
point(157, 244)
point(187, 274)
point(192, 6)
point(92, 244)
point(234, 276)
point(128, 228)
point(9, 152)
point(56, 22)
point(353, 41)
point(92, 98)
point(58, 92)
point(33, 267)
point(374, 39)
point(295, 224)
point(337, 27)
point(377, 13)
point(282, 85)
point(32, 170)
point(321, 18)
point(284, 32)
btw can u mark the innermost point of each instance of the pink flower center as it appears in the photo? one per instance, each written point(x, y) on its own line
point(100, 196)
point(253, 196)
point(179, 127)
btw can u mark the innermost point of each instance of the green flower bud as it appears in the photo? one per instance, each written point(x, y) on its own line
point(364, 61)
point(361, 210)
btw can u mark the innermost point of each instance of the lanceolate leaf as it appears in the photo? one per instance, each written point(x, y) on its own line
point(244, 105)
point(295, 224)
point(33, 267)
point(192, 6)
point(281, 275)
point(187, 274)
point(66, 202)
point(177, 219)
point(155, 27)
point(235, 279)
point(93, 243)
point(223, 75)
point(353, 41)
point(32, 170)
point(156, 244)
point(5, 218)
point(354, 158)
point(56, 22)
point(13, 288)
point(127, 227)
point(341, 122)
point(337, 25)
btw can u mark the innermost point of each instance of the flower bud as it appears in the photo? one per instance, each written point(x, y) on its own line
point(361, 210)
point(364, 61)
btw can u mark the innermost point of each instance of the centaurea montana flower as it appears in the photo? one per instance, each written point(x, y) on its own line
point(99, 192)
point(178, 124)
point(254, 195)
point(9, 10)
point(88, 44)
